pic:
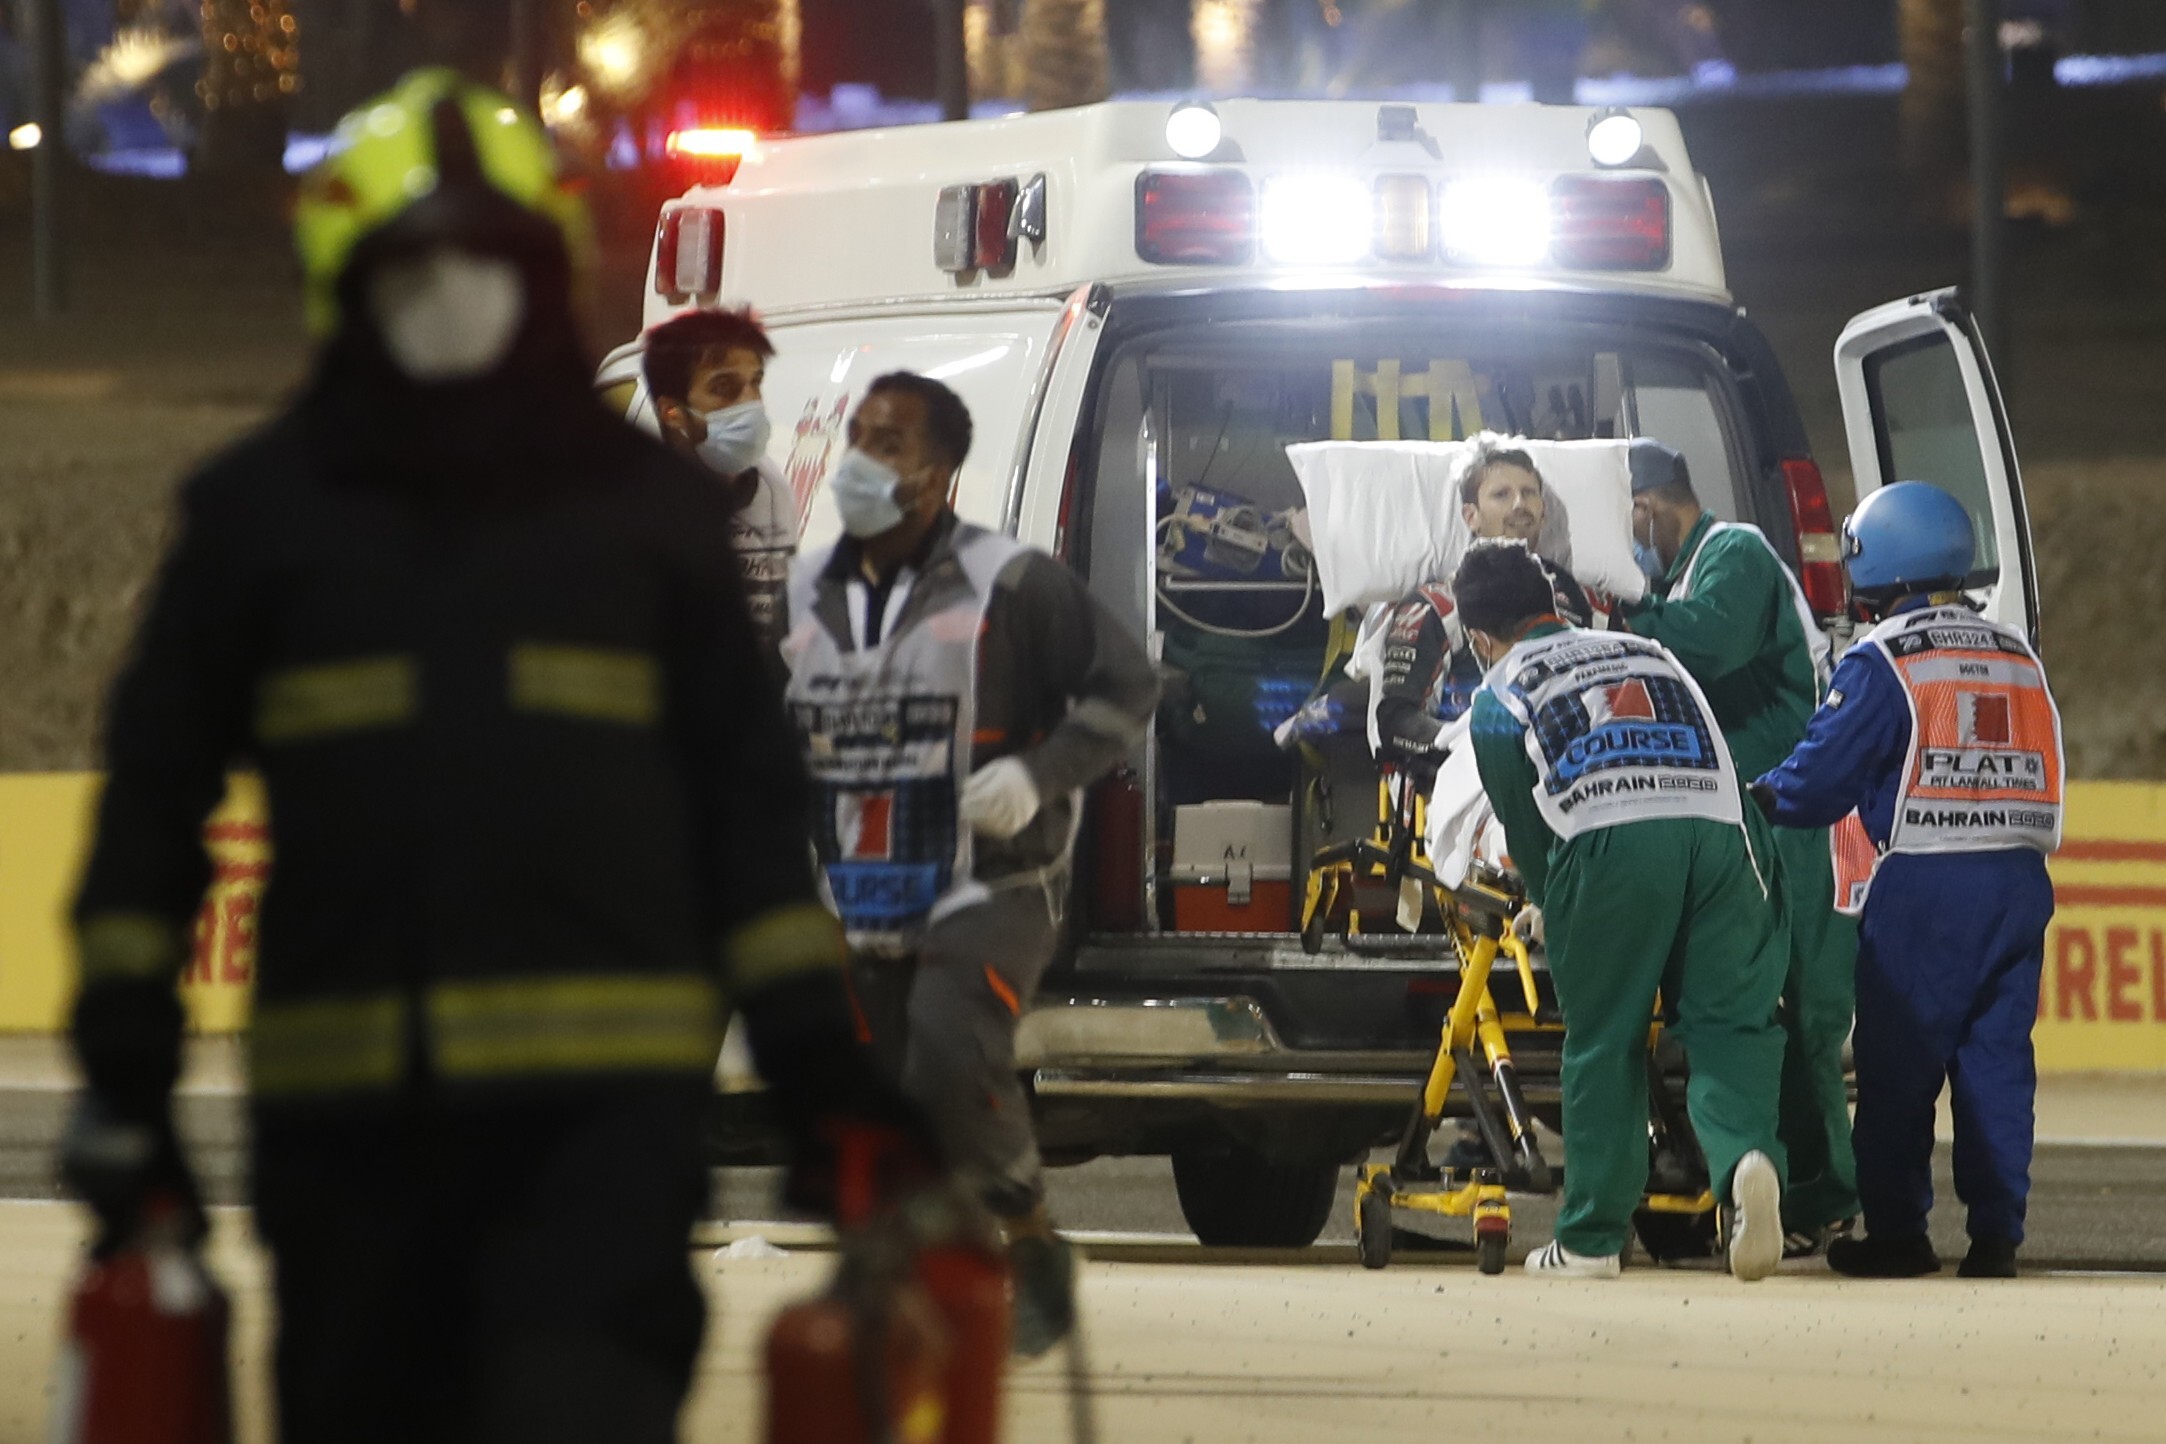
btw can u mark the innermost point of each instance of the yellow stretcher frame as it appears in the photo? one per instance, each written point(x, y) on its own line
point(1477, 919)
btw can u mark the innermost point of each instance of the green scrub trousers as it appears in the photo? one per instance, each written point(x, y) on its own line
point(1672, 905)
point(1817, 1002)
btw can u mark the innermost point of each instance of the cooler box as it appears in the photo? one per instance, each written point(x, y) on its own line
point(1231, 868)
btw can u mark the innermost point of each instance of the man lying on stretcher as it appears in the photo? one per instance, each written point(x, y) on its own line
point(1412, 661)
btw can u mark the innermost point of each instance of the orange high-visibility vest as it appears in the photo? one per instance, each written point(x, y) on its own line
point(1984, 769)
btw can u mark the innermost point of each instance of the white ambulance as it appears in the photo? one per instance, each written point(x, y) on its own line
point(1143, 305)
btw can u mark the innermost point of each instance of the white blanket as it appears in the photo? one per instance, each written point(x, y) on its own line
point(1385, 518)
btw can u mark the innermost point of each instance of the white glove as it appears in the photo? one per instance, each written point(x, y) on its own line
point(999, 800)
point(1527, 922)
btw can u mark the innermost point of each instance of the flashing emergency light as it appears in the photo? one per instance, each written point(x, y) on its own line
point(1610, 222)
point(1405, 225)
point(1495, 221)
point(688, 252)
point(1194, 130)
point(1614, 136)
point(1195, 218)
point(703, 142)
point(1211, 217)
point(1316, 220)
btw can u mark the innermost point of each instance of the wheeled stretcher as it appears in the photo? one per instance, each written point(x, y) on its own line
point(1676, 1219)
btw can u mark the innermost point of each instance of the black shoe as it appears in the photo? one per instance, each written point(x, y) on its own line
point(1989, 1258)
point(1806, 1242)
point(1883, 1256)
point(1466, 1154)
point(1043, 1267)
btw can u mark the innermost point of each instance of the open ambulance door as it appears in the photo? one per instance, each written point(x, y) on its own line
point(1920, 404)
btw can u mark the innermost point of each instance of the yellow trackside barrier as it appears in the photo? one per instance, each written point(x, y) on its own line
point(2102, 1002)
point(45, 820)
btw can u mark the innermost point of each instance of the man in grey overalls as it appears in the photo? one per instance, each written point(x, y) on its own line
point(954, 692)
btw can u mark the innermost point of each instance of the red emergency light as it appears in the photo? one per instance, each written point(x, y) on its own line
point(1610, 223)
point(1195, 218)
point(1820, 566)
point(702, 142)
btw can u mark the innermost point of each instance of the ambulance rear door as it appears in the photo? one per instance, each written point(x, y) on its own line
point(1920, 404)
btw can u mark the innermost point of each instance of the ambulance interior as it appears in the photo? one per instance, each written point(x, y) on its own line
point(1192, 531)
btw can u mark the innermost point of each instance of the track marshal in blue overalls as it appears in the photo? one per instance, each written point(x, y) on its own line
point(1940, 730)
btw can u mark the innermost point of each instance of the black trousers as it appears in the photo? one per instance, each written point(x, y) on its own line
point(502, 1272)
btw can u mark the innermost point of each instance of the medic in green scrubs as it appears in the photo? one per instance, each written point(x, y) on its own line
point(1727, 607)
point(1648, 873)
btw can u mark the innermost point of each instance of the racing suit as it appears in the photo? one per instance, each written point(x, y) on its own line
point(1952, 939)
point(1728, 609)
point(1652, 876)
point(1424, 677)
point(978, 649)
point(1429, 673)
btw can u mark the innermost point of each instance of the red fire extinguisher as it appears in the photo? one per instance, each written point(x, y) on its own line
point(916, 1320)
point(144, 1361)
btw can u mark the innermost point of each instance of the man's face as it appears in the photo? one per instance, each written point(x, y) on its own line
point(723, 377)
point(889, 426)
point(1507, 505)
point(1660, 524)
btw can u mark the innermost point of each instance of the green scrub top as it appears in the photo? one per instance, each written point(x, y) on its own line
point(1740, 637)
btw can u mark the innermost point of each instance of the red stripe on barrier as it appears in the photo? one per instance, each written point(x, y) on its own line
point(2079, 895)
point(2112, 850)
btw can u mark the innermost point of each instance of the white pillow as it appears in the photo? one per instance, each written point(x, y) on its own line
point(1385, 519)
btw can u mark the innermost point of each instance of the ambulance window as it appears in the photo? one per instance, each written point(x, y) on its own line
point(1922, 419)
point(1672, 403)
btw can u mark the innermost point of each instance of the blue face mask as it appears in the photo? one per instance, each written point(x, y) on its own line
point(1649, 559)
point(737, 437)
point(864, 492)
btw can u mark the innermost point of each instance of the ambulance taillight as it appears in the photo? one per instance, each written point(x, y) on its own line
point(688, 253)
point(1820, 565)
point(1610, 223)
point(1195, 218)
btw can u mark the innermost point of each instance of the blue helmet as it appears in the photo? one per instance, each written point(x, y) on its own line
point(1911, 536)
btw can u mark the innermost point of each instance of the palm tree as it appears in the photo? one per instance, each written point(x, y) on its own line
point(1932, 112)
point(1064, 53)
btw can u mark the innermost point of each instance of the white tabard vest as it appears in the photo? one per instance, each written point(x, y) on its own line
point(886, 735)
point(1617, 731)
point(764, 534)
point(1984, 768)
point(1816, 641)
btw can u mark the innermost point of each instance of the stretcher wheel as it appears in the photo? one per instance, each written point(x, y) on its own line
point(1489, 1252)
point(1674, 1237)
point(1372, 1230)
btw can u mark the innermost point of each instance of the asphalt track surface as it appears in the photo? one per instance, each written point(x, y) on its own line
point(2093, 1207)
point(1187, 1345)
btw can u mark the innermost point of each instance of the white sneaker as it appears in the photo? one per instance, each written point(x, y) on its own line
point(1557, 1261)
point(1755, 1218)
